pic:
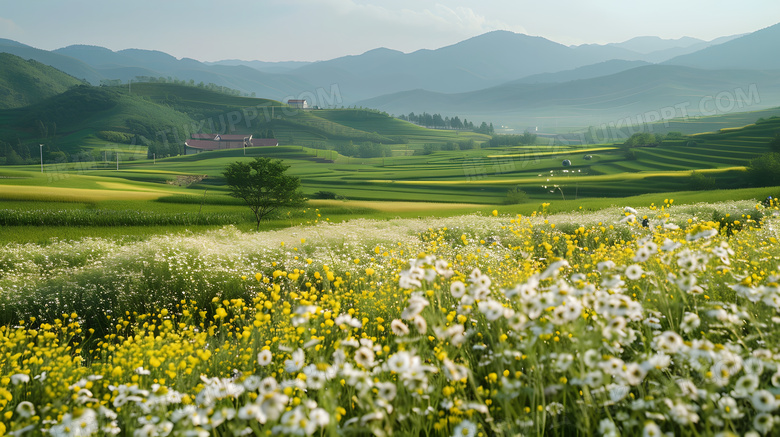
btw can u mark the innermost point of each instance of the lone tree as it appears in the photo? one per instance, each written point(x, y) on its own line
point(263, 185)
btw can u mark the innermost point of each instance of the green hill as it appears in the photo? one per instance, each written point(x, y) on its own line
point(24, 82)
point(85, 116)
point(131, 118)
point(215, 112)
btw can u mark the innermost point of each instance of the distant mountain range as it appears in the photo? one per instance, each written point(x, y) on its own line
point(755, 51)
point(93, 64)
point(627, 97)
point(518, 72)
point(267, 67)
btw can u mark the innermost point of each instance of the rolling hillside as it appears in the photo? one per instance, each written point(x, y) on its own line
point(108, 118)
point(215, 112)
point(24, 82)
point(70, 121)
point(479, 176)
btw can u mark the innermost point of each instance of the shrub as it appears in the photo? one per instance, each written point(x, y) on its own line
point(516, 195)
point(700, 182)
point(764, 170)
point(324, 195)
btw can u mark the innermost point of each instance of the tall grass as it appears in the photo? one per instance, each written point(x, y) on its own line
point(100, 217)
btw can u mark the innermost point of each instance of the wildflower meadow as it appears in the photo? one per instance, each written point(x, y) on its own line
point(584, 323)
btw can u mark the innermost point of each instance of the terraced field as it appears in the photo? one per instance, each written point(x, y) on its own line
point(478, 176)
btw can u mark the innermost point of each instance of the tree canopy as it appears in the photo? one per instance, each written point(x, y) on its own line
point(263, 185)
point(774, 144)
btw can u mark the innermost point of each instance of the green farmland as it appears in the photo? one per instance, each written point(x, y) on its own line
point(417, 175)
point(479, 176)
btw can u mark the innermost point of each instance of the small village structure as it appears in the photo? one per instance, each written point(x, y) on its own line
point(207, 142)
point(298, 103)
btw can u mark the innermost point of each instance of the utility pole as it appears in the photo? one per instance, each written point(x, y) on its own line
point(41, 158)
point(154, 158)
point(117, 160)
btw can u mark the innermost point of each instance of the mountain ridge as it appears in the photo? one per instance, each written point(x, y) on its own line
point(613, 97)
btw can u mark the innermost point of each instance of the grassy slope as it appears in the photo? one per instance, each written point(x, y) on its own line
point(74, 117)
point(715, 123)
point(213, 112)
point(82, 111)
point(24, 82)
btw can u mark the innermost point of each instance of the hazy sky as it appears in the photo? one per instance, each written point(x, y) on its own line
point(279, 30)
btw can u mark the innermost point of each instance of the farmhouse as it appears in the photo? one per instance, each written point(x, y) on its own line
point(205, 142)
point(298, 103)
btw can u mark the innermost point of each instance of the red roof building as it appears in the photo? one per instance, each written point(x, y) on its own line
point(298, 103)
point(206, 142)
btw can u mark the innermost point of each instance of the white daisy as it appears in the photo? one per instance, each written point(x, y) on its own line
point(466, 428)
point(296, 363)
point(268, 385)
point(400, 362)
point(25, 409)
point(365, 357)
point(319, 417)
point(454, 371)
point(415, 305)
point(651, 429)
point(634, 374)
point(763, 423)
point(492, 309)
point(690, 322)
point(745, 386)
point(607, 428)
point(420, 323)
point(20, 378)
point(252, 382)
point(265, 357)
point(399, 328)
point(386, 390)
point(764, 401)
point(728, 408)
point(252, 412)
point(642, 254)
point(457, 289)
point(669, 342)
point(634, 272)
point(670, 245)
